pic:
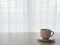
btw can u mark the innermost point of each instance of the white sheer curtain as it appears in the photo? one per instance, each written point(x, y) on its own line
point(13, 15)
point(58, 16)
point(45, 12)
point(29, 15)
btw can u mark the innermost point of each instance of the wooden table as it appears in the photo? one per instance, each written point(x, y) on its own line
point(25, 39)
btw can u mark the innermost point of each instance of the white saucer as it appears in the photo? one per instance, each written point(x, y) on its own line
point(49, 40)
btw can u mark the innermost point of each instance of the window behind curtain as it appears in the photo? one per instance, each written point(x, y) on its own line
point(29, 15)
point(44, 14)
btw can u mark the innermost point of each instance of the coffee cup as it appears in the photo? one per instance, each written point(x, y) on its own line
point(46, 34)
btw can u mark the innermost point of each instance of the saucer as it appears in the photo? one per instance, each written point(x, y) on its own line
point(49, 40)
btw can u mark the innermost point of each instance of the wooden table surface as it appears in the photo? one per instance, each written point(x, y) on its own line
point(26, 39)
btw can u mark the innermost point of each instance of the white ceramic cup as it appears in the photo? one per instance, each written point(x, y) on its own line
point(46, 33)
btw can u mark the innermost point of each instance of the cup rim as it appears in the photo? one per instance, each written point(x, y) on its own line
point(45, 29)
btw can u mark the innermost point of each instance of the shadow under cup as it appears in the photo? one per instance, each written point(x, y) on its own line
point(46, 34)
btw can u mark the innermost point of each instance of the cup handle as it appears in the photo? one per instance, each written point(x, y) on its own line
point(52, 33)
